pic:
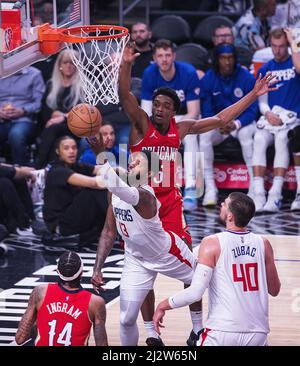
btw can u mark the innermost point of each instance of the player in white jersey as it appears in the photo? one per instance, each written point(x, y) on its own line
point(238, 268)
point(149, 249)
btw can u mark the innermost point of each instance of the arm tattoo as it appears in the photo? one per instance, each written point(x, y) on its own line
point(99, 326)
point(29, 317)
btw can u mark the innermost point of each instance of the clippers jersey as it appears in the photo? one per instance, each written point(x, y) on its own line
point(144, 238)
point(166, 147)
point(238, 291)
point(62, 319)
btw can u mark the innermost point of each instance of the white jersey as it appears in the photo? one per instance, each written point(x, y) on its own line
point(238, 292)
point(144, 238)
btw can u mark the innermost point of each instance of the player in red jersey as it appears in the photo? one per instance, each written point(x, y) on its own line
point(160, 133)
point(63, 311)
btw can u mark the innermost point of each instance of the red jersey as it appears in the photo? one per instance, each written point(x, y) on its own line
point(63, 319)
point(164, 183)
point(166, 146)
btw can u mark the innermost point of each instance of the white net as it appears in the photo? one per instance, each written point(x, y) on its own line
point(98, 63)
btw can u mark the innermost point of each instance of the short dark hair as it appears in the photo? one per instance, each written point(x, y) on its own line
point(68, 265)
point(242, 208)
point(163, 43)
point(62, 138)
point(171, 93)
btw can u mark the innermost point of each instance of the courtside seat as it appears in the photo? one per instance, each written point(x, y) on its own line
point(171, 27)
point(204, 30)
point(194, 54)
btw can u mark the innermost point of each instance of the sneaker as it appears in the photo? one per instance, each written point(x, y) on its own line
point(210, 197)
point(26, 231)
point(193, 338)
point(251, 192)
point(296, 203)
point(3, 232)
point(190, 202)
point(259, 201)
point(154, 342)
point(273, 203)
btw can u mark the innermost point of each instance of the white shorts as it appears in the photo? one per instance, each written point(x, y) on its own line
point(211, 337)
point(178, 263)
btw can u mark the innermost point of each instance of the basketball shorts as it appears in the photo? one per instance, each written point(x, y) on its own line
point(211, 337)
point(171, 213)
point(139, 273)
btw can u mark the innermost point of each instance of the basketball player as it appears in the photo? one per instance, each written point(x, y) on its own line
point(238, 268)
point(161, 134)
point(149, 249)
point(63, 311)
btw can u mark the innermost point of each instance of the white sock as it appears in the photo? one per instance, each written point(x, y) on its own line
point(297, 172)
point(196, 317)
point(259, 185)
point(149, 326)
point(277, 185)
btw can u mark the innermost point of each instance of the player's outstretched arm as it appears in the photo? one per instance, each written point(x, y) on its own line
point(137, 116)
point(106, 242)
point(28, 319)
point(261, 87)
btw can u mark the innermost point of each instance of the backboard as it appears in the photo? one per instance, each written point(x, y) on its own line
point(19, 46)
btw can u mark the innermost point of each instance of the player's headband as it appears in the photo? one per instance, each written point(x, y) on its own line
point(71, 278)
point(224, 48)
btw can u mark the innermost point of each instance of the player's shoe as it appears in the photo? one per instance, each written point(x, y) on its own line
point(190, 200)
point(273, 203)
point(259, 201)
point(193, 338)
point(154, 342)
point(296, 203)
point(210, 198)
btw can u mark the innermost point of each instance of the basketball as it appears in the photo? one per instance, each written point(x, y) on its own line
point(84, 120)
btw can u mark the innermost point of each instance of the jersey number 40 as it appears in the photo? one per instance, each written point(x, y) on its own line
point(248, 275)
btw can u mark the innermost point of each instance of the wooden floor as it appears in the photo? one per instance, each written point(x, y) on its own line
point(284, 309)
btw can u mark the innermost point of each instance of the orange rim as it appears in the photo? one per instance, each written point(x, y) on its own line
point(73, 34)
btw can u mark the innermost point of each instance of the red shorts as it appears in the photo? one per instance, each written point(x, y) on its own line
point(171, 213)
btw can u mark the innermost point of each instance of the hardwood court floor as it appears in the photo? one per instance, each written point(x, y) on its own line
point(284, 309)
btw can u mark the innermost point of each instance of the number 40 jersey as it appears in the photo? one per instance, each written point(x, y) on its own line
point(238, 291)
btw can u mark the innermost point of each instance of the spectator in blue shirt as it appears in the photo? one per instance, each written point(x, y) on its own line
point(20, 101)
point(286, 67)
point(183, 78)
point(223, 85)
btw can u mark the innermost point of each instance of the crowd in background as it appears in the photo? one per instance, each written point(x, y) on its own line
point(34, 104)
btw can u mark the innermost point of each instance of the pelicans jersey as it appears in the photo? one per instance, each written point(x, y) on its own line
point(164, 183)
point(63, 319)
point(238, 291)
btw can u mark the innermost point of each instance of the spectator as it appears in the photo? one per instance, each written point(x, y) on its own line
point(141, 35)
point(20, 101)
point(221, 87)
point(63, 92)
point(287, 15)
point(183, 78)
point(112, 150)
point(73, 203)
point(287, 70)
point(252, 29)
point(294, 144)
point(16, 208)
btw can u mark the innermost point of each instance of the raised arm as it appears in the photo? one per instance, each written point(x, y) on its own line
point(294, 48)
point(137, 116)
point(262, 86)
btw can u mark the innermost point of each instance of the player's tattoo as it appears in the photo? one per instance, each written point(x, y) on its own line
point(99, 327)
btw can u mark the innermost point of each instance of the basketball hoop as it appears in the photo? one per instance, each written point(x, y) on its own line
point(96, 51)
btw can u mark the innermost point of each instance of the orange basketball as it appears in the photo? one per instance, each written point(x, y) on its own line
point(84, 120)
